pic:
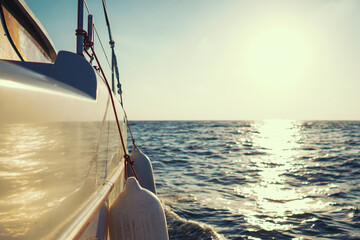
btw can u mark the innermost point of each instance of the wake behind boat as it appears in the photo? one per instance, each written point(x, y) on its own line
point(63, 135)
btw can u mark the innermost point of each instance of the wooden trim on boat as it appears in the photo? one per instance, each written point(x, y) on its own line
point(24, 15)
point(6, 30)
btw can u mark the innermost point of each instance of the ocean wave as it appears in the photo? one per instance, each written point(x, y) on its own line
point(232, 177)
point(182, 229)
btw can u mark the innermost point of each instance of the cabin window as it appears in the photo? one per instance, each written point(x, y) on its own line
point(6, 50)
point(26, 45)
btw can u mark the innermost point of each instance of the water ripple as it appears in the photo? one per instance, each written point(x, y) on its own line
point(256, 179)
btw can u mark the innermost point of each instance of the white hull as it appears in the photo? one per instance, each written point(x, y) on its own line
point(61, 159)
point(58, 146)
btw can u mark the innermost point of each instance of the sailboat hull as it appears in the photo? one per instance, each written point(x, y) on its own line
point(58, 147)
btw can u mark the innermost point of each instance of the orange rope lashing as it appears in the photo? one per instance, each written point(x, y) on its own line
point(88, 43)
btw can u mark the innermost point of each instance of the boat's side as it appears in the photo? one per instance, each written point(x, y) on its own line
point(29, 96)
point(61, 163)
point(58, 145)
point(91, 221)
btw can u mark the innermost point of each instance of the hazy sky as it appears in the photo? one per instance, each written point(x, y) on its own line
point(204, 59)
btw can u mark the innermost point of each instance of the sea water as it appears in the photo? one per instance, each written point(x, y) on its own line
point(276, 179)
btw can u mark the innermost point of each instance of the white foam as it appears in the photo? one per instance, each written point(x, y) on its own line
point(180, 228)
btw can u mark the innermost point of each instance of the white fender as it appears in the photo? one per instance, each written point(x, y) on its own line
point(143, 169)
point(137, 214)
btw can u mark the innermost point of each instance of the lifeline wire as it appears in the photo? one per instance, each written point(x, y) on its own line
point(97, 34)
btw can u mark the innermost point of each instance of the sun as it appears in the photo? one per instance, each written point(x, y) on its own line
point(277, 57)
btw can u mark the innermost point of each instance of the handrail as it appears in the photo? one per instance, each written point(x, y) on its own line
point(78, 225)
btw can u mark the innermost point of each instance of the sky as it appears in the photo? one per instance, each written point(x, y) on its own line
point(226, 59)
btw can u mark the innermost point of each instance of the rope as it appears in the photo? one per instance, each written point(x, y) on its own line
point(87, 40)
point(126, 155)
point(114, 66)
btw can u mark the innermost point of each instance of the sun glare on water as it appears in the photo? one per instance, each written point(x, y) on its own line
point(275, 194)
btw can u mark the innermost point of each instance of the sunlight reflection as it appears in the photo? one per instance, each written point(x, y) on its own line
point(274, 195)
point(50, 90)
point(42, 184)
point(278, 137)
